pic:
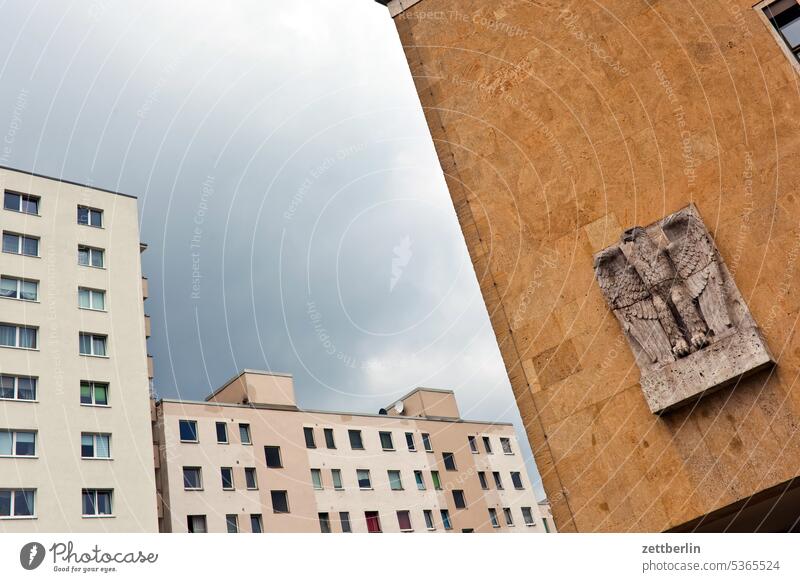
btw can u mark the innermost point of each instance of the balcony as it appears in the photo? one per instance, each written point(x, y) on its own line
point(145, 288)
point(147, 326)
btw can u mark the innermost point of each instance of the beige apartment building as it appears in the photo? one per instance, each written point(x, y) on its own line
point(75, 444)
point(249, 460)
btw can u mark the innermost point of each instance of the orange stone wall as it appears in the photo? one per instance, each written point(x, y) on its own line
point(558, 125)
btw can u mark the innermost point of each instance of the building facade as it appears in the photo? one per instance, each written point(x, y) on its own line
point(75, 435)
point(248, 460)
point(560, 126)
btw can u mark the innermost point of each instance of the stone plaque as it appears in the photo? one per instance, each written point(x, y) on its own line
point(686, 322)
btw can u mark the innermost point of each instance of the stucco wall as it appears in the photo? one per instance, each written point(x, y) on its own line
point(558, 125)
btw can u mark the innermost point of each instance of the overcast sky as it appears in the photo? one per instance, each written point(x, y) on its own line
point(296, 215)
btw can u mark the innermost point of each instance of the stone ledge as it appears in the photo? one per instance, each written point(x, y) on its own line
point(705, 371)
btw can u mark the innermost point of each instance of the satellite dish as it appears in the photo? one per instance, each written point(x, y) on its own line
point(398, 407)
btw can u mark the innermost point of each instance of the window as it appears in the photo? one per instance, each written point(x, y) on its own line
point(256, 523)
point(428, 514)
point(516, 479)
point(91, 299)
point(15, 288)
point(280, 501)
point(482, 479)
point(250, 480)
point(92, 344)
point(96, 502)
point(420, 480)
point(497, 481)
point(505, 444)
point(329, 442)
point(364, 481)
point(395, 483)
point(473, 444)
point(273, 455)
point(373, 521)
point(386, 441)
point(487, 444)
point(544, 523)
point(227, 478)
point(508, 517)
point(316, 478)
point(527, 516)
point(344, 518)
point(336, 477)
point(410, 442)
point(18, 336)
point(308, 432)
point(17, 443)
point(356, 443)
point(96, 394)
point(449, 461)
point(244, 434)
point(426, 442)
point(459, 499)
point(17, 502)
point(446, 519)
point(19, 244)
point(95, 446)
point(232, 521)
point(435, 478)
point(192, 479)
point(90, 216)
point(188, 430)
point(17, 388)
point(222, 433)
point(493, 517)
point(196, 523)
point(404, 520)
point(324, 522)
point(21, 202)
point(784, 15)
point(90, 256)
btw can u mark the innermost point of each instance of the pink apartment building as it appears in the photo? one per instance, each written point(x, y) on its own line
point(249, 460)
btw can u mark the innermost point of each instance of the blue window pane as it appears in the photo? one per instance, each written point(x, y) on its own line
point(792, 33)
point(30, 246)
point(188, 430)
point(5, 503)
point(85, 343)
point(11, 201)
point(26, 444)
point(83, 256)
point(99, 346)
point(88, 503)
point(8, 335)
point(26, 388)
point(10, 243)
point(96, 218)
point(83, 215)
point(87, 445)
point(30, 290)
point(8, 287)
point(27, 337)
point(23, 502)
point(6, 386)
point(104, 503)
point(97, 258)
point(30, 205)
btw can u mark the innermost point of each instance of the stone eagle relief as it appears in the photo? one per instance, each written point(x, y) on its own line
point(686, 322)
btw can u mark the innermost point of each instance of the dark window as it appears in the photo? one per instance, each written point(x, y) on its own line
point(355, 439)
point(250, 478)
point(446, 519)
point(324, 522)
point(280, 501)
point(196, 523)
point(227, 477)
point(308, 432)
point(410, 441)
point(90, 216)
point(482, 479)
point(785, 17)
point(96, 501)
point(329, 441)
point(516, 479)
point(487, 444)
point(222, 433)
point(232, 521)
point(505, 444)
point(21, 203)
point(508, 517)
point(192, 478)
point(473, 445)
point(364, 481)
point(386, 441)
point(527, 516)
point(256, 524)
point(426, 442)
point(428, 519)
point(244, 434)
point(273, 455)
point(344, 517)
point(493, 517)
point(373, 521)
point(404, 520)
point(437, 484)
point(188, 430)
point(459, 499)
point(449, 461)
point(497, 481)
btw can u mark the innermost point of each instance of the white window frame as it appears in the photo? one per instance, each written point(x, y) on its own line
point(196, 430)
point(251, 471)
point(20, 244)
point(199, 517)
point(419, 479)
point(521, 482)
point(426, 442)
point(317, 482)
point(493, 517)
point(199, 477)
point(336, 479)
point(12, 508)
point(505, 443)
point(18, 292)
point(14, 435)
point(16, 379)
point(92, 292)
point(256, 518)
point(244, 429)
point(90, 210)
point(410, 442)
point(447, 521)
point(92, 390)
point(410, 524)
point(95, 437)
point(430, 524)
point(498, 480)
point(532, 522)
point(369, 479)
point(95, 493)
point(509, 518)
point(344, 518)
point(234, 522)
point(18, 333)
point(776, 34)
point(399, 479)
point(388, 434)
point(93, 337)
point(224, 425)
point(222, 479)
point(22, 197)
point(90, 255)
point(473, 444)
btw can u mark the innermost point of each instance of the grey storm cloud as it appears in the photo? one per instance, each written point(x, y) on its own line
point(296, 215)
